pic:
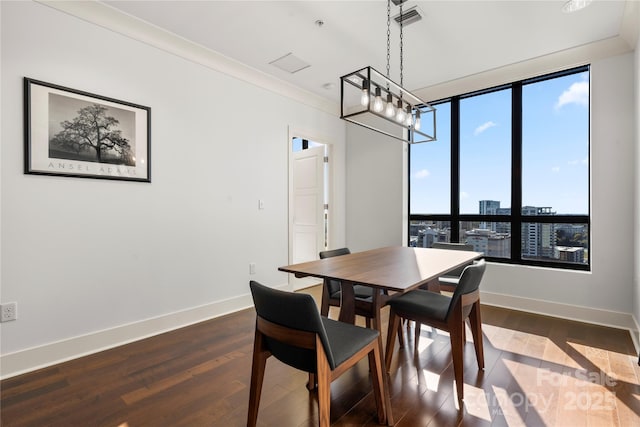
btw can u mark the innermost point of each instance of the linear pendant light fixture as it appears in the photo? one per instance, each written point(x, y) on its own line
point(373, 100)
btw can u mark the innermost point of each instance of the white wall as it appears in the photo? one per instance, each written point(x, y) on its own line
point(603, 295)
point(374, 189)
point(92, 263)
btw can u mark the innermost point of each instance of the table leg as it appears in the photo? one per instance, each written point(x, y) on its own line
point(347, 303)
point(377, 305)
point(433, 286)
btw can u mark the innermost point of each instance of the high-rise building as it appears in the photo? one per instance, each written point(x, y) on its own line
point(538, 239)
point(570, 254)
point(489, 242)
point(424, 233)
point(488, 207)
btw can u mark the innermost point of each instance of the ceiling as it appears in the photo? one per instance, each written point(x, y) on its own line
point(453, 39)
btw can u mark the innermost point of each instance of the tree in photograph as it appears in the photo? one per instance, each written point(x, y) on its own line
point(93, 130)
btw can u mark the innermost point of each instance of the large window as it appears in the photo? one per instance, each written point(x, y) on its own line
point(509, 173)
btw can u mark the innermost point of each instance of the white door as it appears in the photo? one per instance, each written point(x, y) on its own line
point(307, 209)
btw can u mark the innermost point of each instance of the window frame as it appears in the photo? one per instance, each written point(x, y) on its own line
point(516, 218)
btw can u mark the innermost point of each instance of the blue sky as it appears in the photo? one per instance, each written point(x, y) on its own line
point(555, 150)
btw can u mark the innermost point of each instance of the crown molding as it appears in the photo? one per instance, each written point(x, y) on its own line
point(112, 19)
point(546, 64)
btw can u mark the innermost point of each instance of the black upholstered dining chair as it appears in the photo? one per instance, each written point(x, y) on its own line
point(449, 281)
point(447, 313)
point(289, 327)
point(363, 294)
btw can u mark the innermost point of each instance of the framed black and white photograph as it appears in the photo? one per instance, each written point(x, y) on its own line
point(73, 133)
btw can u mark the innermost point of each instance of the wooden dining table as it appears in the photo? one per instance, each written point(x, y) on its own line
point(391, 269)
point(387, 270)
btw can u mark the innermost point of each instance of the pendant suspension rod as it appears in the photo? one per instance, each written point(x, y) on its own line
point(401, 49)
point(388, 37)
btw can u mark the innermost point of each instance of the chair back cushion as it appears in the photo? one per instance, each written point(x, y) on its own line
point(456, 247)
point(469, 282)
point(296, 311)
point(333, 285)
point(452, 246)
point(334, 252)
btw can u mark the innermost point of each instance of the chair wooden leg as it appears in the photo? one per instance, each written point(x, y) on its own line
point(260, 356)
point(324, 388)
point(457, 352)
point(400, 335)
point(416, 335)
point(312, 384)
point(394, 323)
point(376, 321)
point(377, 381)
point(476, 331)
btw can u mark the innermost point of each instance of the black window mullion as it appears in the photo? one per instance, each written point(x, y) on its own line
point(455, 169)
point(516, 171)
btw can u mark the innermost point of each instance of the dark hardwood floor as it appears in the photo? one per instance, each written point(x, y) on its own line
point(540, 371)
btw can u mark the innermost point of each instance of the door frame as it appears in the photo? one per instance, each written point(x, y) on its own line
point(295, 283)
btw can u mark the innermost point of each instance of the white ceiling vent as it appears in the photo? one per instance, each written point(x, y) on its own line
point(290, 63)
point(409, 16)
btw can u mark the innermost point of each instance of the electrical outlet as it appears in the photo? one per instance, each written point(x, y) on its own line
point(252, 268)
point(8, 311)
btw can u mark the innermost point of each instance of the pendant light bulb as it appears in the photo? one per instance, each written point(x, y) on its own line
point(400, 113)
point(390, 111)
point(377, 102)
point(364, 98)
point(418, 121)
point(409, 117)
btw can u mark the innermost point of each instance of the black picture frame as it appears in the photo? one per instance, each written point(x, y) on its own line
point(72, 133)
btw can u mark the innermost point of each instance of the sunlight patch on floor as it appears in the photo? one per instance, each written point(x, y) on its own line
point(430, 379)
point(476, 402)
point(525, 344)
point(424, 343)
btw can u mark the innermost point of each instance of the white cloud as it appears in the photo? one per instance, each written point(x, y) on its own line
point(423, 173)
point(578, 93)
point(555, 169)
point(484, 127)
point(574, 162)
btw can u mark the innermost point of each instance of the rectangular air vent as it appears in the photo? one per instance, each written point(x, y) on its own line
point(409, 16)
point(290, 63)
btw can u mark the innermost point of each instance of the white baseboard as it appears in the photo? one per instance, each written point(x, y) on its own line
point(61, 351)
point(595, 316)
